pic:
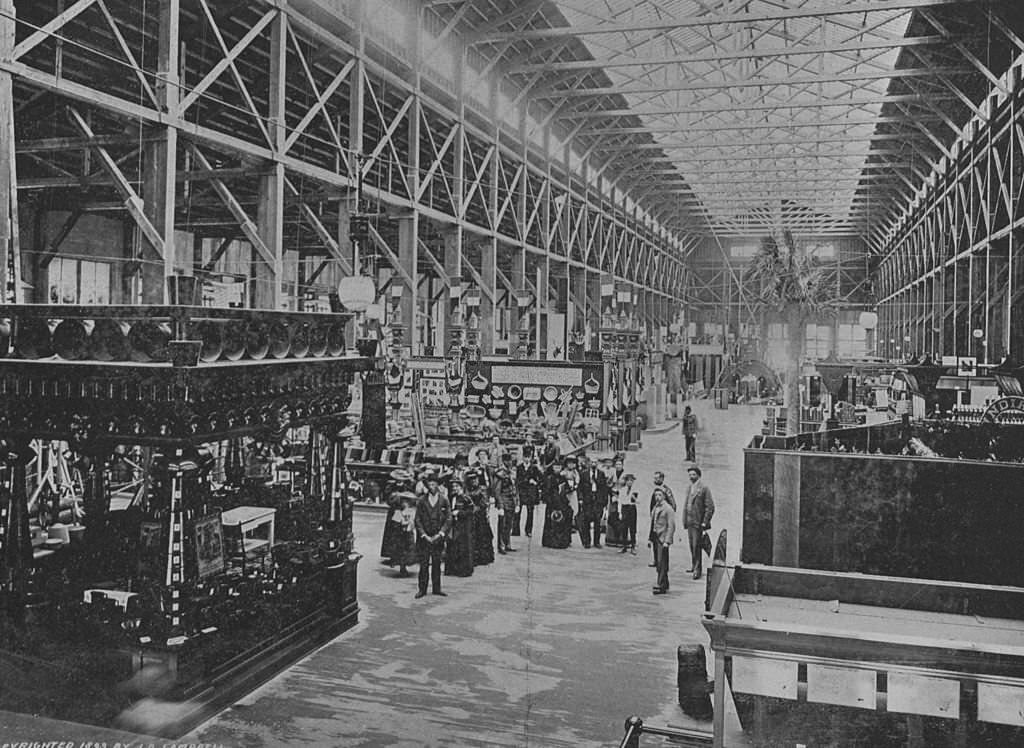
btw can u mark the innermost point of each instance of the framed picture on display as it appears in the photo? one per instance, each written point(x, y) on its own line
point(208, 536)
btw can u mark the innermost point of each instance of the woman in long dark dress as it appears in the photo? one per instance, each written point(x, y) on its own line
point(459, 561)
point(483, 536)
point(393, 541)
point(558, 525)
point(529, 479)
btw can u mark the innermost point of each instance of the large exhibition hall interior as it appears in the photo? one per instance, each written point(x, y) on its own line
point(512, 373)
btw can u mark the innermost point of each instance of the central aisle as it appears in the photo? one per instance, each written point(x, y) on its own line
point(542, 648)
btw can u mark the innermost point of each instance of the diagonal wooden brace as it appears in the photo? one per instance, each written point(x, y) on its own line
point(249, 229)
point(321, 231)
point(132, 201)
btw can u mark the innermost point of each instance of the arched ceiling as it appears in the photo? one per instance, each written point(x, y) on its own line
point(730, 118)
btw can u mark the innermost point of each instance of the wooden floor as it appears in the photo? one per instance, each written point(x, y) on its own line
point(544, 648)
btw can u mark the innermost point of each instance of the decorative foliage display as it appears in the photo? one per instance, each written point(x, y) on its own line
point(785, 281)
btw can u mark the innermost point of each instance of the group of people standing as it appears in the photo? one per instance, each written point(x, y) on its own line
point(442, 514)
point(697, 510)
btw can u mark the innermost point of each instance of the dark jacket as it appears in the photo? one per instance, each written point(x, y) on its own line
point(529, 479)
point(505, 490)
point(699, 506)
point(431, 520)
point(593, 492)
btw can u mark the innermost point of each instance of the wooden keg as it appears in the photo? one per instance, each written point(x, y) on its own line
point(71, 339)
point(147, 341)
point(235, 338)
point(33, 338)
point(212, 335)
point(109, 340)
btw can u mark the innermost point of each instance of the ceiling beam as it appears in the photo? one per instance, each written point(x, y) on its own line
point(723, 55)
point(795, 104)
point(808, 80)
point(710, 19)
point(675, 145)
point(683, 127)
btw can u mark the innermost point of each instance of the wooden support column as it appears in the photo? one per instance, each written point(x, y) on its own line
point(518, 332)
point(521, 282)
point(577, 319)
point(408, 258)
point(453, 239)
point(159, 177)
point(489, 276)
point(269, 272)
point(10, 256)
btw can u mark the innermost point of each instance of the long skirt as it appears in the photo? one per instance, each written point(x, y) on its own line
point(395, 545)
point(558, 524)
point(483, 538)
point(459, 561)
point(614, 531)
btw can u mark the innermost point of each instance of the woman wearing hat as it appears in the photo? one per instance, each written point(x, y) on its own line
point(483, 536)
point(393, 545)
point(459, 559)
point(529, 479)
point(558, 516)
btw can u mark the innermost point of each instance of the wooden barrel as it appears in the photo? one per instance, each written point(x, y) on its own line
point(33, 338)
point(317, 339)
point(336, 339)
point(147, 341)
point(109, 340)
point(71, 340)
point(692, 682)
point(235, 337)
point(5, 337)
point(212, 335)
point(280, 340)
point(257, 340)
point(300, 340)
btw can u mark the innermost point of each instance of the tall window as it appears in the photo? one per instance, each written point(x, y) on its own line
point(73, 281)
point(852, 342)
point(819, 341)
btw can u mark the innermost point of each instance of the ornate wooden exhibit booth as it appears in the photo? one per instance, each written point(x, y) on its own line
point(172, 501)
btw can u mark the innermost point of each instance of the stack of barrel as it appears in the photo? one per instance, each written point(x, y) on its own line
point(148, 340)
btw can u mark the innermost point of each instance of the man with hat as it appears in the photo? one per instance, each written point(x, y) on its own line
point(593, 494)
point(698, 509)
point(433, 521)
point(505, 500)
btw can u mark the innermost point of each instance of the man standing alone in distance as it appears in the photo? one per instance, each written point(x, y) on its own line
point(663, 530)
point(690, 434)
point(698, 509)
point(433, 520)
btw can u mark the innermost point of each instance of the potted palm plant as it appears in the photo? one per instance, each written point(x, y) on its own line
point(785, 280)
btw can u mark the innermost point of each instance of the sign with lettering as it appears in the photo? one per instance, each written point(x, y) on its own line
point(1005, 409)
point(547, 375)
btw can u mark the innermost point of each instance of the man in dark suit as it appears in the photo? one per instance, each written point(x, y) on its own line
point(593, 493)
point(698, 510)
point(433, 521)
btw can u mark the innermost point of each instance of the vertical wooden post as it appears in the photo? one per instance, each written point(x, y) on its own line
point(10, 259)
point(453, 239)
point(718, 721)
point(159, 182)
point(408, 257)
point(268, 291)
